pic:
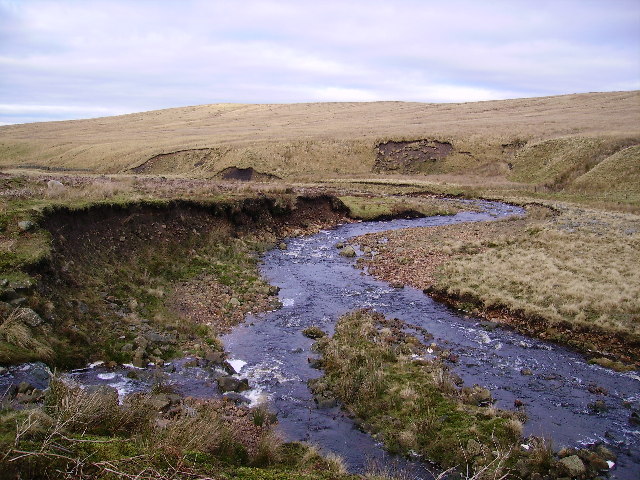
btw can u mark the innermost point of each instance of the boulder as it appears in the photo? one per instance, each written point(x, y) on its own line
point(236, 398)
point(26, 225)
point(571, 466)
point(29, 317)
point(215, 357)
point(55, 185)
point(348, 251)
point(231, 384)
point(282, 246)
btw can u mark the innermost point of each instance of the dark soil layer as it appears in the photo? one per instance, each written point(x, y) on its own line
point(410, 157)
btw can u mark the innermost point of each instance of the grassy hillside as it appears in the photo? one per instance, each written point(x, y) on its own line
point(320, 139)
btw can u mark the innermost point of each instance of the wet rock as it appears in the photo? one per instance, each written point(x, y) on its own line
point(348, 251)
point(634, 418)
point(571, 466)
point(227, 367)
point(605, 453)
point(231, 384)
point(340, 245)
point(127, 347)
point(398, 285)
point(282, 246)
point(3, 370)
point(29, 317)
point(489, 326)
point(26, 225)
point(518, 403)
point(139, 361)
point(526, 371)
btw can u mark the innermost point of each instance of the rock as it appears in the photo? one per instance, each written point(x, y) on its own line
point(282, 246)
point(605, 453)
point(474, 448)
point(315, 362)
point(273, 290)
point(398, 285)
point(215, 357)
point(155, 337)
point(348, 251)
point(634, 418)
point(478, 395)
point(26, 225)
point(55, 185)
point(139, 361)
point(340, 245)
point(127, 347)
point(366, 250)
point(228, 368)
point(141, 341)
point(323, 402)
point(231, 384)
point(29, 317)
point(571, 466)
point(526, 371)
point(3, 370)
point(105, 391)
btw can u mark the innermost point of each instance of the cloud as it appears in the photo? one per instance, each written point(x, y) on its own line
point(100, 56)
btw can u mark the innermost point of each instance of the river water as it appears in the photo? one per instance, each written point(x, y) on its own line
point(317, 286)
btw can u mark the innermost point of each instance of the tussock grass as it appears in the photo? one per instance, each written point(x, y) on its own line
point(375, 208)
point(411, 405)
point(84, 434)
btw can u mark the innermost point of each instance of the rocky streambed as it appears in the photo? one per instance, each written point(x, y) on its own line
point(269, 359)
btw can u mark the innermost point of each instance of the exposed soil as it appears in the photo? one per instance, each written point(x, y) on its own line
point(195, 157)
point(93, 241)
point(245, 174)
point(409, 157)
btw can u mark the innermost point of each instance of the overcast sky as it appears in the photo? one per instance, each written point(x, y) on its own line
point(77, 59)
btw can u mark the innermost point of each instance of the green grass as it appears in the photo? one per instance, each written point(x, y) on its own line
point(376, 207)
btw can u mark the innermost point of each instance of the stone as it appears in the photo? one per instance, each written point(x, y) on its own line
point(155, 337)
point(273, 290)
point(215, 357)
point(234, 302)
point(599, 406)
point(139, 361)
point(29, 317)
point(127, 347)
point(340, 245)
point(398, 285)
point(3, 370)
point(282, 246)
point(55, 185)
point(634, 418)
point(26, 225)
point(478, 395)
point(231, 384)
point(348, 251)
point(313, 332)
point(526, 371)
point(571, 466)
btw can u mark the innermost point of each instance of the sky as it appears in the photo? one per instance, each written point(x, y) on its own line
point(68, 59)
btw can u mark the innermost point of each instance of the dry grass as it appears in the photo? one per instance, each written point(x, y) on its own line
point(579, 268)
point(317, 139)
